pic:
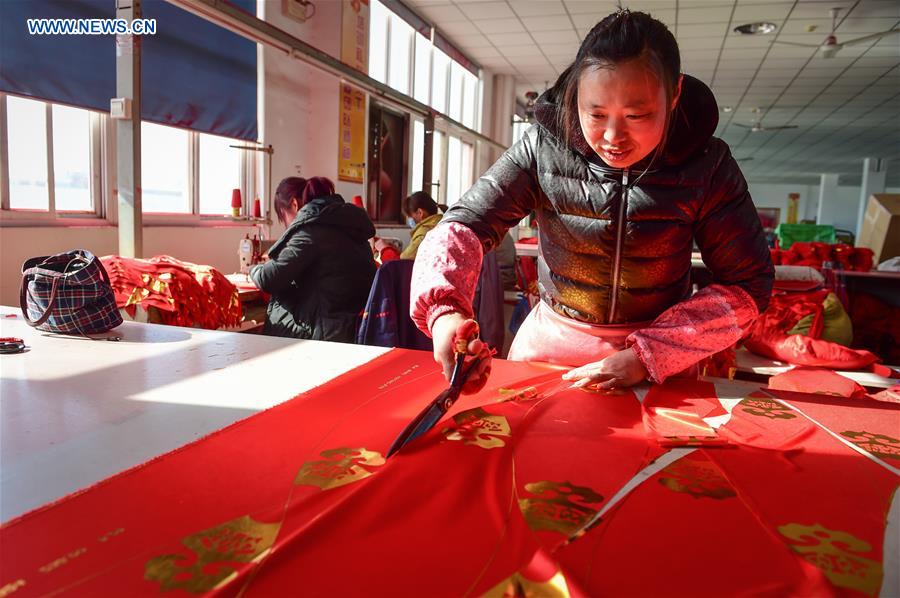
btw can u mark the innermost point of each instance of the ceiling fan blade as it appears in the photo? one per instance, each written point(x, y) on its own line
point(778, 41)
point(868, 38)
point(779, 128)
point(742, 126)
point(747, 159)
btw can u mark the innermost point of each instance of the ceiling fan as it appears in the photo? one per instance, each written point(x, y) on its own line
point(758, 127)
point(830, 46)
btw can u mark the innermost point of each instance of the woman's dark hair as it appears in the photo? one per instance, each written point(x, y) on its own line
point(618, 38)
point(305, 190)
point(422, 200)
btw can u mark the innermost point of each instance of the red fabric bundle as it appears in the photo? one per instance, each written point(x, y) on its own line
point(819, 381)
point(184, 294)
point(858, 259)
point(769, 336)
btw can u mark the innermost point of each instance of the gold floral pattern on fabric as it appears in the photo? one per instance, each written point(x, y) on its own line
point(700, 479)
point(517, 585)
point(479, 428)
point(518, 394)
point(559, 506)
point(341, 466)
point(213, 556)
point(837, 554)
point(879, 445)
point(761, 405)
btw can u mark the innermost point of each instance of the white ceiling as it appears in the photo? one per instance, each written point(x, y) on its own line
point(846, 108)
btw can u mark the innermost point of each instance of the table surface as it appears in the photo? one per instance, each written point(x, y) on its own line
point(750, 362)
point(74, 411)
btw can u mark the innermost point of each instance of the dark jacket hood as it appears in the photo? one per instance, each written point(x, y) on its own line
point(332, 210)
point(693, 122)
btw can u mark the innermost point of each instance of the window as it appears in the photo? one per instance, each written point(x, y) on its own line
point(471, 94)
point(378, 40)
point(401, 47)
point(27, 151)
point(520, 125)
point(72, 159)
point(453, 171)
point(418, 156)
point(422, 76)
point(437, 167)
point(164, 169)
point(457, 81)
point(439, 74)
point(220, 173)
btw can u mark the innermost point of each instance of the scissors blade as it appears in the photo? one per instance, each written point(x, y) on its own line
point(427, 419)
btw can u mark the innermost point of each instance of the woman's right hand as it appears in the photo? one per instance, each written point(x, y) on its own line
point(443, 333)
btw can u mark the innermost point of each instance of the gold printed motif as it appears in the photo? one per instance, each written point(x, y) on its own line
point(341, 466)
point(876, 444)
point(518, 394)
point(559, 506)
point(700, 479)
point(480, 428)
point(11, 587)
point(518, 585)
point(837, 554)
point(761, 405)
point(213, 556)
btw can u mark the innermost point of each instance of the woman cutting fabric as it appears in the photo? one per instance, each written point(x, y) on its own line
point(624, 176)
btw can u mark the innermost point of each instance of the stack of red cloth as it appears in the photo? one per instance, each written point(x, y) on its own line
point(812, 254)
point(184, 294)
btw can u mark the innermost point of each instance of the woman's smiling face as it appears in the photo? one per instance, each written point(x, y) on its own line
point(622, 111)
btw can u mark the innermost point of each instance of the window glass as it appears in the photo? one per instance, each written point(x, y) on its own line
point(378, 41)
point(220, 173)
point(72, 159)
point(418, 156)
point(437, 174)
point(453, 170)
point(164, 169)
point(454, 110)
point(422, 77)
point(467, 173)
point(470, 99)
point(439, 80)
point(401, 47)
point(27, 150)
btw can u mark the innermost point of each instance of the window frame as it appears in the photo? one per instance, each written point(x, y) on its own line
point(103, 183)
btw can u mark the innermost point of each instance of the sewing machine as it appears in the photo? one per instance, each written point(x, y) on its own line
point(250, 251)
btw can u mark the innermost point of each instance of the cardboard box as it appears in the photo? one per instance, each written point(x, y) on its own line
point(881, 226)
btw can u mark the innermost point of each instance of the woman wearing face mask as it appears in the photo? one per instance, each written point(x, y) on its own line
point(422, 215)
point(624, 176)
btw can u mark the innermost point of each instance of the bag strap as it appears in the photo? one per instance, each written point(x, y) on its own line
point(23, 303)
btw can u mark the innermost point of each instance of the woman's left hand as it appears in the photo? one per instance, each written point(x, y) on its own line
point(616, 371)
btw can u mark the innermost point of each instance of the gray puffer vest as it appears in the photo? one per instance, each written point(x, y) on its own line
point(615, 245)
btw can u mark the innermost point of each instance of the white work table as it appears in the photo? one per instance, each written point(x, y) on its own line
point(74, 411)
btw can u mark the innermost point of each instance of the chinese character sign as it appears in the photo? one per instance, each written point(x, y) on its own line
point(352, 135)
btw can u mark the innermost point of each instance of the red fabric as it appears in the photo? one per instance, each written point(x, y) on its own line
point(768, 336)
point(812, 254)
point(817, 380)
point(184, 294)
point(299, 496)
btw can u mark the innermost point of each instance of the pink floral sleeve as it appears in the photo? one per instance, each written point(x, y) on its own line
point(445, 274)
point(711, 320)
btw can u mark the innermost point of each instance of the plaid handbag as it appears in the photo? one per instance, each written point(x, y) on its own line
point(68, 293)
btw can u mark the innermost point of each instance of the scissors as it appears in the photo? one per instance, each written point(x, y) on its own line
point(11, 344)
point(436, 409)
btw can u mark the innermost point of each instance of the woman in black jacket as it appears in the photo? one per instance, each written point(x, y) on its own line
point(624, 176)
point(320, 271)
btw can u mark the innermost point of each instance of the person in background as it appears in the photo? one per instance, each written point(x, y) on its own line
point(422, 216)
point(320, 270)
point(624, 175)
